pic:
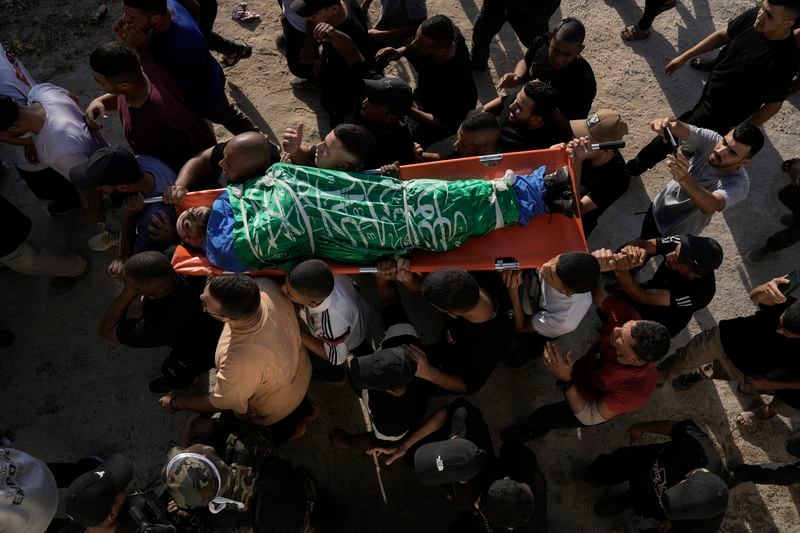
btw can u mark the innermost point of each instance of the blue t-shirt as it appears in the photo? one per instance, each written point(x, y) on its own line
point(164, 177)
point(183, 52)
point(219, 236)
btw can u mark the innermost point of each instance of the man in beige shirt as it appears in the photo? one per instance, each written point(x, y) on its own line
point(263, 370)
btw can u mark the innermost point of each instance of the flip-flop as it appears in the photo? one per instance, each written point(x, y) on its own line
point(786, 165)
point(634, 33)
point(706, 65)
point(244, 51)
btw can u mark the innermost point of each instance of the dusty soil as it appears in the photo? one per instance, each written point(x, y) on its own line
point(68, 393)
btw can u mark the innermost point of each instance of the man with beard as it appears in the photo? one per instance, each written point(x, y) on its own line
point(713, 179)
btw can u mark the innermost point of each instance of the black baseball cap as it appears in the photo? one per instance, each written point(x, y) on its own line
point(88, 500)
point(306, 8)
point(702, 254)
point(390, 92)
point(700, 496)
point(391, 368)
point(107, 166)
point(9, 110)
point(448, 461)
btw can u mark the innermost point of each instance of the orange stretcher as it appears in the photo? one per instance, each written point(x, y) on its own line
point(515, 247)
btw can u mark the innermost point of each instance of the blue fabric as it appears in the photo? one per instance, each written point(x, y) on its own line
point(530, 195)
point(183, 52)
point(219, 236)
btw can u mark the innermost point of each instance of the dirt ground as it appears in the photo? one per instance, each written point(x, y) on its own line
point(67, 393)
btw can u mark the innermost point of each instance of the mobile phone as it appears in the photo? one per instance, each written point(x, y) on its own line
point(794, 282)
point(671, 141)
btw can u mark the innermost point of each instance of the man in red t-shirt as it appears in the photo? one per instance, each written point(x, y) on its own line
point(617, 375)
point(155, 118)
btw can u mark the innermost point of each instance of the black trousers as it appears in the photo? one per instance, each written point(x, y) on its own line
point(294, 43)
point(554, 416)
point(649, 228)
point(48, 184)
point(790, 197)
point(769, 474)
point(657, 150)
point(652, 8)
point(528, 19)
point(215, 41)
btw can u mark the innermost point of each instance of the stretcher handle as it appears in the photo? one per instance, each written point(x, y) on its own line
point(610, 145)
point(153, 200)
point(506, 263)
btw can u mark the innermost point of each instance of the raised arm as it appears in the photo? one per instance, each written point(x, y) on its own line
point(711, 42)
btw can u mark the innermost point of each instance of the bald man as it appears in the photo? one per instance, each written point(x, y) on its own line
point(238, 159)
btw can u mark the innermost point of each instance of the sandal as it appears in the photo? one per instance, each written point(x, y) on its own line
point(706, 65)
point(243, 51)
point(634, 33)
point(786, 165)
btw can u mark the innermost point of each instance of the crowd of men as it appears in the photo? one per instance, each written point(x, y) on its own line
point(264, 339)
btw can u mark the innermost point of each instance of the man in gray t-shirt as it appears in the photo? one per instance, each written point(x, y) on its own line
point(712, 180)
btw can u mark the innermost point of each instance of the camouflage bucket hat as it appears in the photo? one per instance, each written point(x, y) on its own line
point(192, 479)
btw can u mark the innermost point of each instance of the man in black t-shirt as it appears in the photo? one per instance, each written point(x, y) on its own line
point(395, 399)
point(556, 58)
point(347, 55)
point(750, 349)
point(461, 437)
point(600, 175)
point(238, 159)
point(750, 80)
point(172, 315)
point(446, 91)
point(515, 496)
point(526, 120)
point(683, 284)
point(478, 328)
point(678, 483)
point(383, 112)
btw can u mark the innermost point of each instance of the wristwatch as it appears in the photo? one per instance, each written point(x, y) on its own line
point(173, 405)
point(563, 386)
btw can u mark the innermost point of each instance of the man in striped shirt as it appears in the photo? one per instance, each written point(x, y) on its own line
point(336, 316)
point(683, 284)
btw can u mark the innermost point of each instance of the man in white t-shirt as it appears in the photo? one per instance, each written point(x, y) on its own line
point(45, 183)
point(55, 123)
point(336, 315)
point(712, 180)
point(117, 170)
point(549, 301)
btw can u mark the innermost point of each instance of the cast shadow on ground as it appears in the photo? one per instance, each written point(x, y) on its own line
point(246, 105)
point(657, 51)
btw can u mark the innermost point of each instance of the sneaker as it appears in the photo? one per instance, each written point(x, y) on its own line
point(759, 255)
point(102, 242)
point(687, 381)
point(300, 83)
point(59, 208)
point(559, 196)
point(788, 220)
point(160, 385)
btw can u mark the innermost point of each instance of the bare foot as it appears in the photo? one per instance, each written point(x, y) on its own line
point(747, 419)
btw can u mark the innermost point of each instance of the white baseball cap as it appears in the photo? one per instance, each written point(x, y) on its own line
point(28, 493)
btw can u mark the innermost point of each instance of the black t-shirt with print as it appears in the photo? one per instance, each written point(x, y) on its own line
point(519, 138)
point(686, 295)
point(755, 347)
point(575, 85)
point(752, 70)
point(658, 467)
point(477, 348)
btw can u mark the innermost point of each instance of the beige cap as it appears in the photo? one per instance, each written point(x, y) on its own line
point(603, 126)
